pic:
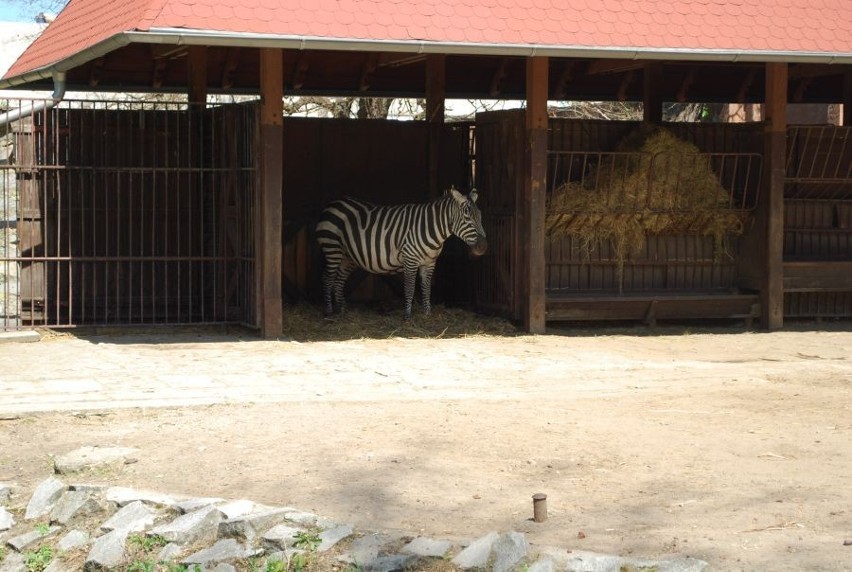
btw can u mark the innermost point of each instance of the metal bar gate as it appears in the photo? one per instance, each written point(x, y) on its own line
point(126, 212)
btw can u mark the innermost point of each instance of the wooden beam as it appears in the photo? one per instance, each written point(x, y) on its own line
point(95, 72)
point(775, 147)
point(652, 93)
point(370, 65)
point(532, 208)
point(745, 86)
point(197, 72)
point(613, 66)
point(301, 71)
point(621, 94)
point(499, 78)
point(159, 73)
point(565, 77)
point(232, 61)
point(436, 92)
point(269, 254)
point(688, 80)
point(801, 87)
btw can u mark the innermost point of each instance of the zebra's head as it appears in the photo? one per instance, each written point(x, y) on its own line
point(467, 222)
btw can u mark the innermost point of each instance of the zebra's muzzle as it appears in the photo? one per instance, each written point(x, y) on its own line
point(479, 247)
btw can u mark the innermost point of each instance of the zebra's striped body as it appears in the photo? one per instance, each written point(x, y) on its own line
point(389, 239)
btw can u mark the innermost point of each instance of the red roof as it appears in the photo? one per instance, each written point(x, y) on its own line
point(697, 29)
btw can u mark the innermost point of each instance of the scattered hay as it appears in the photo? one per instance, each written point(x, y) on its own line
point(657, 184)
point(305, 323)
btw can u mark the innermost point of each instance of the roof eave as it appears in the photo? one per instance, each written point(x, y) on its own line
point(182, 36)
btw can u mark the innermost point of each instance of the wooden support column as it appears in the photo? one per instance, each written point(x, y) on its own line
point(436, 81)
point(652, 99)
point(772, 207)
point(532, 208)
point(197, 72)
point(269, 252)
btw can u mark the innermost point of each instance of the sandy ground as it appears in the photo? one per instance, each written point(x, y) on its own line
point(730, 446)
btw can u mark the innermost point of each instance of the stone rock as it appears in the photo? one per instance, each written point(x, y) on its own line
point(252, 525)
point(123, 496)
point(280, 537)
point(365, 550)
point(225, 549)
point(477, 553)
point(169, 552)
point(199, 526)
point(238, 508)
point(21, 542)
point(332, 536)
point(88, 457)
point(193, 504)
point(7, 521)
point(392, 563)
point(74, 539)
point(59, 565)
point(133, 517)
point(427, 547)
point(74, 504)
point(44, 497)
point(6, 491)
point(508, 551)
point(13, 562)
point(223, 567)
point(107, 550)
point(310, 519)
point(544, 564)
point(582, 561)
point(20, 337)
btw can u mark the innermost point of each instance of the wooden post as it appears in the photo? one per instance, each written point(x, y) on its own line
point(652, 101)
point(775, 148)
point(269, 255)
point(436, 66)
point(532, 208)
point(197, 72)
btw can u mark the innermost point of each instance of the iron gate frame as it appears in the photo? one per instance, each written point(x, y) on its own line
point(124, 212)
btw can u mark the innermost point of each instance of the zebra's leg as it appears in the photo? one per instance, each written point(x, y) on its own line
point(329, 276)
point(426, 286)
point(409, 279)
point(343, 272)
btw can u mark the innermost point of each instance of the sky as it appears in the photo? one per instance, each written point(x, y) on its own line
point(17, 12)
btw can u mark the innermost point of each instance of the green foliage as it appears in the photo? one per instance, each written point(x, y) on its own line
point(142, 566)
point(42, 528)
point(307, 540)
point(38, 560)
point(146, 543)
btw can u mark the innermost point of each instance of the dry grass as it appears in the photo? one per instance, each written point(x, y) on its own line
point(624, 201)
point(305, 323)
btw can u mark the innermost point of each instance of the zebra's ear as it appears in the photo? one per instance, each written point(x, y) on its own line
point(459, 198)
point(473, 195)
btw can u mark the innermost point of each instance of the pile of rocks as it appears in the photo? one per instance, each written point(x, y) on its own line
point(64, 527)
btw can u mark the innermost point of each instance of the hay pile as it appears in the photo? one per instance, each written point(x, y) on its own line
point(657, 184)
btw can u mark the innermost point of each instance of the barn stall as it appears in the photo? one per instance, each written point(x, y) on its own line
point(239, 263)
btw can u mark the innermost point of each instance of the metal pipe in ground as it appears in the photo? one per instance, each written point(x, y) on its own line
point(539, 507)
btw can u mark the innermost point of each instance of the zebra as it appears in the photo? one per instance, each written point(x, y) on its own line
point(389, 239)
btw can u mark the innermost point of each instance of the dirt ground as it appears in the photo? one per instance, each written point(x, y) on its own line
point(723, 444)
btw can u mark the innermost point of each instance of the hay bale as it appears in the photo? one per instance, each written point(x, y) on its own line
point(654, 184)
